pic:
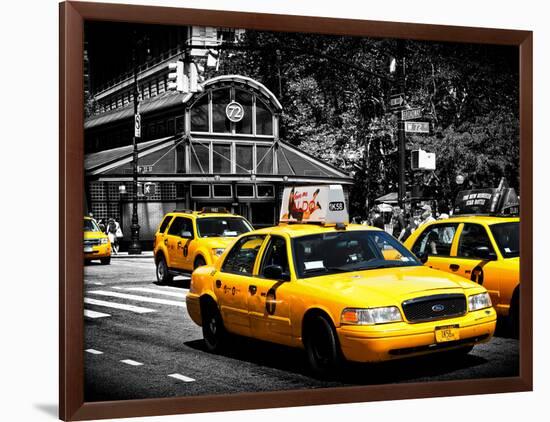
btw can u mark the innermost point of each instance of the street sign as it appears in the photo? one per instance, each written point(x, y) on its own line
point(410, 114)
point(145, 169)
point(417, 127)
point(397, 100)
point(137, 126)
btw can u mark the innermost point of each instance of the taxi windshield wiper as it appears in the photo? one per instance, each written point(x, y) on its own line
point(387, 265)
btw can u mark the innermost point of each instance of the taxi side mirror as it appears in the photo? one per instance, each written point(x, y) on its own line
point(275, 272)
point(423, 256)
point(186, 234)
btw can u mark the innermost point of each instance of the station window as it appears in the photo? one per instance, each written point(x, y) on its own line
point(266, 191)
point(200, 158)
point(222, 191)
point(244, 98)
point(243, 159)
point(220, 99)
point(200, 191)
point(245, 191)
point(264, 119)
point(221, 158)
point(199, 115)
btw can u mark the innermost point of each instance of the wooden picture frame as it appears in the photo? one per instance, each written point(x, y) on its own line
point(71, 156)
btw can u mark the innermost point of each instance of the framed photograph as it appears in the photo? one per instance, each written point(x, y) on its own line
point(266, 210)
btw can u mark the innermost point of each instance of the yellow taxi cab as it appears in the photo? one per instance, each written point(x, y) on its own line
point(96, 243)
point(340, 291)
point(482, 248)
point(187, 239)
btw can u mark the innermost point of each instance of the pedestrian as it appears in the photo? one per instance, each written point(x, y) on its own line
point(376, 219)
point(409, 229)
point(119, 234)
point(111, 232)
point(426, 216)
point(443, 209)
point(398, 222)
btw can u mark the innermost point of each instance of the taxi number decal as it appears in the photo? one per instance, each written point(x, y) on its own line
point(336, 206)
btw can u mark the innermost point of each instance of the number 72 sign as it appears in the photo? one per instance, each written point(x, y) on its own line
point(234, 111)
point(417, 127)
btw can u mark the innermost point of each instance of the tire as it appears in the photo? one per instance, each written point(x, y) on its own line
point(87, 261)
point(322, 348)
point(213, 330)
point(105, 261)
point(513, 316)
point(199, 262)
point(163, 276)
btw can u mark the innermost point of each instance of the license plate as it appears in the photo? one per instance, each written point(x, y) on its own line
point(447, 333)
point(88, 249)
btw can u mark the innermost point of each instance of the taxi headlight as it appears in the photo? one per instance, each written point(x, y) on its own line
point(218, 251)
point(371, 316)
point(103, 240)
point(479, 301)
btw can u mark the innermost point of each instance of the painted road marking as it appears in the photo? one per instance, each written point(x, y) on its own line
point(179, 289)
point(181, 377)
point(131, 362)
point(93, 314)
point(154, 291)
point(131, 308)
point(94, 283)
point(93, 351)
point(138, 298)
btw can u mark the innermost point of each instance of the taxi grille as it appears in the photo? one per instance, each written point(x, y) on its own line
point(429, 308)
point(91, 242)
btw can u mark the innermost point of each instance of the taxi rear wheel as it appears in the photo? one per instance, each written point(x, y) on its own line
point(105, 261)
point(163, 276)
point(199, 262)
point(322, 348)
point(213, 331)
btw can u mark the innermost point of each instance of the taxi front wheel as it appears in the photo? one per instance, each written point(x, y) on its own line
point(163, 276)
point(322, 348)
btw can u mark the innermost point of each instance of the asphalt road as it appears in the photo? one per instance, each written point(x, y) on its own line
point(140, 343)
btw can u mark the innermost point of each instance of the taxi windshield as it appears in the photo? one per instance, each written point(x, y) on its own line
point(222, 226)
point(345, 251)
point(507, 237)
point(91, 226)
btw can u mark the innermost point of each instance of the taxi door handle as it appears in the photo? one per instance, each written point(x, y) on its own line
point(252, 289)
point(166, 241)
point(454, 267)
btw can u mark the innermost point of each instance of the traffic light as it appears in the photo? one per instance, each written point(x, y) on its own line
point(177, 80)
point(193, 77)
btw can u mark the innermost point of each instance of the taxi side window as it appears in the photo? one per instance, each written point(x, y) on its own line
point(241, 258)
point(275, 254)
point(436, 240)
point(180, 225)
point(164, 223)
point(472, 238)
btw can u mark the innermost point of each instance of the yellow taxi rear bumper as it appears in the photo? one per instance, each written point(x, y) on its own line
point(400, 340)
point(99, 251)
point(194, 308)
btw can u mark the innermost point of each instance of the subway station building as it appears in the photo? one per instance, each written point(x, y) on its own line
point(217, 147)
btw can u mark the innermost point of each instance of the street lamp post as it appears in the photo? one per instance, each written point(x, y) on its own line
point(135, 246)
point(401, 124)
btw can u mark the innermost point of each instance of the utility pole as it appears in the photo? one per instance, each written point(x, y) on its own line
point(135, 246)
point(401, 73)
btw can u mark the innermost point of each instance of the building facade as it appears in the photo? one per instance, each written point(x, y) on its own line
point(216, 147)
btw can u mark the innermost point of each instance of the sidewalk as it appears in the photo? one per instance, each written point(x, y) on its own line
point(144, 254)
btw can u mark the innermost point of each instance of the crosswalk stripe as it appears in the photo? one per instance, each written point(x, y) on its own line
point(138, 298)
point(179, 289)
point(93, 314)
point(154, 291)
point(93, 351)
point(131, 308)
point(131, 362)
point(181, 377)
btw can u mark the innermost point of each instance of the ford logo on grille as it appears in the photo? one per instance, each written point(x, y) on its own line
point(438, 308)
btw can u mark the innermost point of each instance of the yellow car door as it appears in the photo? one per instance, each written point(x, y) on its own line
point(437, 241)
point(233, 282)
point(269, 296)
point(173, 241)
point(476, 259)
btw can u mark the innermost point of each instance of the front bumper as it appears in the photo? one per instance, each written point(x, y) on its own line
point(99, 251)
point(399, 340)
